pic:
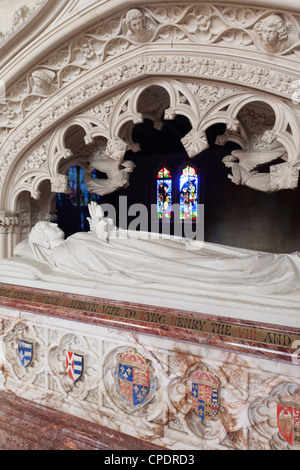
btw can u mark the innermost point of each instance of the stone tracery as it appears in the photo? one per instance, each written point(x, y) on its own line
point(97, 47)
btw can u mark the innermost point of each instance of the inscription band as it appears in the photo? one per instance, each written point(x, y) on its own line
point(244, 333)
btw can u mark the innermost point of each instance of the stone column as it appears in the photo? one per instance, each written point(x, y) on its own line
point(9, 227)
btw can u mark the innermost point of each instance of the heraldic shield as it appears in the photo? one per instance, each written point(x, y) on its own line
point(25, 351)
point(74, 365)
point(288, 421)
point(134, 379)
point(205, 394)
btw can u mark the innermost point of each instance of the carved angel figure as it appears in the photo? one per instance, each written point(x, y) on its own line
point(118, 175)
point(136, 25)
point(243, 164)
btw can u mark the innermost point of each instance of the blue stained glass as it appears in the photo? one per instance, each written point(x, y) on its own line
point(189, 188)
point(79, 197)
point(164, 194)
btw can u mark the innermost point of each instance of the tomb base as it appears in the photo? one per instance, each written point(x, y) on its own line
point(119, 375)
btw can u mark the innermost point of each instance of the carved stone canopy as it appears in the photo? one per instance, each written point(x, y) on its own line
point(102, 134)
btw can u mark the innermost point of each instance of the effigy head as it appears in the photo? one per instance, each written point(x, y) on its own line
point(43, 233)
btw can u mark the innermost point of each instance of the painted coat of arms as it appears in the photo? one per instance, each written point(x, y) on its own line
point(288, 421)
point(205, 394)
point(74, 365)
point(25, 351)
point(134, 379)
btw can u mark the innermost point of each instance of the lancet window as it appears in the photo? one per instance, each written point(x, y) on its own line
point(183, 190)
point(189, 189)
point(164, 194)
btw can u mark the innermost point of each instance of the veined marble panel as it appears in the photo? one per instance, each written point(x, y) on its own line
point(162, 383)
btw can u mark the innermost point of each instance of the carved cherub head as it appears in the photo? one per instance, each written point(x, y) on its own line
point(135, 20)
point(137, 26)
point(272, 31)
point(42, 82)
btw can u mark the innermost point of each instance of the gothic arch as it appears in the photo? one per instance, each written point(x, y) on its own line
point(106, 119)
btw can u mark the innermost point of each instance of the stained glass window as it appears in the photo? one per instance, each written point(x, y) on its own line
point(75, 204)
point(164, 194)
point(80, 195)
point(189, 188)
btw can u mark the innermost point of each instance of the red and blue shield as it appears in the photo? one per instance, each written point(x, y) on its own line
point(74, 365)
point(205, 394)
point(134, 379)
point(25, 351)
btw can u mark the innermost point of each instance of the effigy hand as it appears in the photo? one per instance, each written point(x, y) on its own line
point(96, 214)
point(103, 229)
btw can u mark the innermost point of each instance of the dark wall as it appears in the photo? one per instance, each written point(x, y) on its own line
point(234, 215)
point(240, 216)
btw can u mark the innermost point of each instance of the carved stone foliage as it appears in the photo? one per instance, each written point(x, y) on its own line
point(28, 333)
point(61, 381)
point(262, 146)
point(281, 176)
point(20, 17)
point(204, 396)
point(37, 159)
point(238, 27)
point(275, 417)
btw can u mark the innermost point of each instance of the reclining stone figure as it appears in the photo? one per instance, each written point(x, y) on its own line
point(129, 262)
